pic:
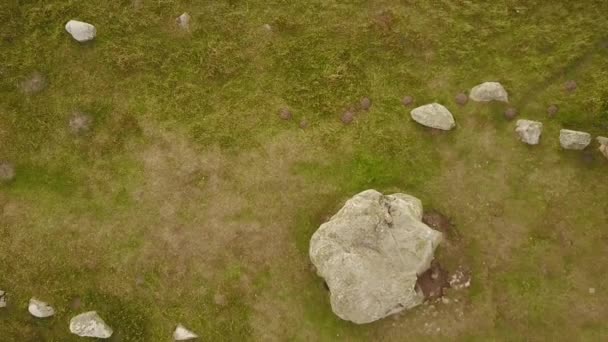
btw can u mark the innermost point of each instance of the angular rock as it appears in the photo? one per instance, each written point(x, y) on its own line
point(603, 141)
point(183, 21)
point(370, 254)
point(434, 115)
point(489, 91)
point(529, 131)
point(89, 324)
point(40, 309)
point(2, 299)
point(183, 334)
point(7, 171)
point(574, 140)
point(81, 31)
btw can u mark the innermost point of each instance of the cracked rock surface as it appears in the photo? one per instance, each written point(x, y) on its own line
point(370, 254)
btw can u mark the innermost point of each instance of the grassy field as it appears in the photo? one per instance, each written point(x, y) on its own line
point(190, 200)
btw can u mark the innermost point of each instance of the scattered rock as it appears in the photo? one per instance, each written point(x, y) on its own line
point(407, 101)
point(461, 99)
point(285, 114)
point(2, 299)
point(81, 31)
point(434, 115)
point(366, 103)
point(570, 86)
point(369, 254)
point(7, 171)
point(220, 300)
point(183, 334)
point(574, 140)
point(510, 113)
point(89, 324)
point(40, 309)
point(552, 110)
point(603, 141)
point(489, 91)
point(303, 124)
point(33, 84)
point(432, 282)
point(529, 131)
point(347, 117)
point(460, 279)
point(183, 21)
point(80, 123)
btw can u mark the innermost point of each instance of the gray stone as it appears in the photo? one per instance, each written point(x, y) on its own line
point(81, 31)
point(370, 254)
point(434, 115)
point(529, 131)
point(183, 21)
point(489, 91)
point(183, 334)
point(40, 309)
point(89, 324)
point(2, 299)
point(574, 140)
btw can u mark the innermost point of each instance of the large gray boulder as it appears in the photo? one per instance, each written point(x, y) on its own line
point(434, 115)
point(370, 254)
point(183, 334)
point(89, 324)
point(81, 31)
point(40, 309)
point(574, 140)
point(489, 91)
point(529, 131)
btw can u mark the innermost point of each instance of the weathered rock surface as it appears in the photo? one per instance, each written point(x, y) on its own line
point(183, 334)
point(489, 91)
point(183, 21)
point(40, 309)
point(2, 299)
point(81, 31)
point(434, 115)
point(603, 141)
point(89, 324)
point(574, 140)
point(370, 254)
point(529, 131)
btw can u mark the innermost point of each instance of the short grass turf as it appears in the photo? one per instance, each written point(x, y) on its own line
point(191, 202)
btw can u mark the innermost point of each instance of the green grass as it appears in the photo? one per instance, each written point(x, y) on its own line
point(190, 181)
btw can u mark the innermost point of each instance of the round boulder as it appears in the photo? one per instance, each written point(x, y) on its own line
point(574, 140)
point(434, 115)
point(81, 31)
point(370, 255)
point(40, 309)
point(489, 91)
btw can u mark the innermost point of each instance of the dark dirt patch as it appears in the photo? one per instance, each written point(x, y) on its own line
point(347, 117)
point(384, 20)
point(433, 282)
point(34, 83)
point(7, 171)
point(407, 101)
point(80, 123)
point(510, 113)
point(552, 111)
point(438, 221)
point(461, 99)
point(366, 103)
point(570, 86)
point(285, 114)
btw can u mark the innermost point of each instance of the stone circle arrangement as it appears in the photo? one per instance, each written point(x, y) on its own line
point(393, 245)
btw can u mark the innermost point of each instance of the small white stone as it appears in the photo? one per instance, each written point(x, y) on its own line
point(40, 309)
point(183, 334)
point(592, 290)
point(81, 31)
point(183, 21)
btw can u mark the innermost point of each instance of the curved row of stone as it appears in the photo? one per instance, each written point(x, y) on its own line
point(88, 324)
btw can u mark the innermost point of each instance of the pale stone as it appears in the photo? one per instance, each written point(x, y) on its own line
point(434, 115)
